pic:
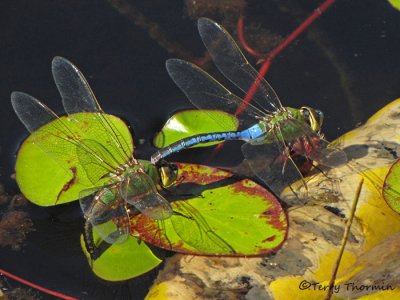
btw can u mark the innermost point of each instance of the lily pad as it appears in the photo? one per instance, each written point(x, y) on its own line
point(191, 122)
point(216, 213)
point(395, 3)
point(48, 169)
point(121, 261)
point(391, 187)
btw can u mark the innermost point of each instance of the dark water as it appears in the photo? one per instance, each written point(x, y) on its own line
point(346, 64)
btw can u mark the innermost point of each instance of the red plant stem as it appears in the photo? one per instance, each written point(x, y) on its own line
point(243, 41)
point(35, 286)
point(265, 67)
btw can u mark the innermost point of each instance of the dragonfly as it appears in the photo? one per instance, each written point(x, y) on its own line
point(119, 184)
point(276, 137)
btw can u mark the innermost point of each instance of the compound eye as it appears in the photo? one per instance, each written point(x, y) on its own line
point(305, 112)
point(319, 118)
point(313, 117)
point(168, 173)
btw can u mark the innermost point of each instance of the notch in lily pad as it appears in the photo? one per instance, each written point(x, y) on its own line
point(191, 122)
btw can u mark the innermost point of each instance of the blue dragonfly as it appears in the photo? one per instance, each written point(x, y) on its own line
point(276, 136)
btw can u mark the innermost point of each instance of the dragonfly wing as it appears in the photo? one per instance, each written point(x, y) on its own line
point(139, 190)
point(76, 94)
point(155, 206)
point(85, 131)
point(96, 159)
point(207, 93)
point(271, 163)
point(32, 113)
point(57, 137)
point(193, 228)
point(329, 156)
point(63, 139)
point(231, 62)
point(107, 213)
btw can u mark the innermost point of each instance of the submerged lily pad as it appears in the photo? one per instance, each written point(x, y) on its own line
point(191, 122)
point(121, 261)
point(48, 168)
point(391, 187)
point(216, 213)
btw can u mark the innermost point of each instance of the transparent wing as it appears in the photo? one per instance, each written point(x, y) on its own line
point(193, 228)
point(77, 96)
point(31, 112)
point(232, 63)
point(272, 164)
point(97, 161)
point(329, 156)
point(86, 130)
point(107, 213)
point(207, 93)
point(63, 139)
point(139, 190)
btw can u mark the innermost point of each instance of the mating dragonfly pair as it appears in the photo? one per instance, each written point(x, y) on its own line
point(119, 184)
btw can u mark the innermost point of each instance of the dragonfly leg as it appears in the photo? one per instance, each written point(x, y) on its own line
point(298, 170)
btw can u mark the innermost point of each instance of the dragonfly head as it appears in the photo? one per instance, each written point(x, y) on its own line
point(168, 173)
point(314, 117)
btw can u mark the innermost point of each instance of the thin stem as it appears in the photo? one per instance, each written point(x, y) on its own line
point(243, 41)
point(35, 286)
point(286, 42)
point(344, 240)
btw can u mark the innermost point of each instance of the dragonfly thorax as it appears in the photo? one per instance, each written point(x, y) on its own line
point(277, 117)
point(122, 170)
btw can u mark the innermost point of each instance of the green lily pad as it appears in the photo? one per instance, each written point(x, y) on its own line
point(121, 261)
point(191, 122)
point(391, 187)
point(219, 214)
point(48, 169)
point(395, 3)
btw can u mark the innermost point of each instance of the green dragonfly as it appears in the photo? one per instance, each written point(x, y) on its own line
point(93, 147)
point(276, 137)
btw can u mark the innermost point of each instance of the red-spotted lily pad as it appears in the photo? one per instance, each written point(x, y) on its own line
point(391, 187)
point(216, 213)
point(191, 122)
